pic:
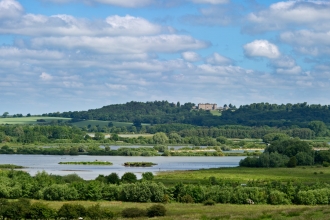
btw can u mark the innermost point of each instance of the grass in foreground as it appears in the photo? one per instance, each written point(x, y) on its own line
point(245, 174)
point(179, 211)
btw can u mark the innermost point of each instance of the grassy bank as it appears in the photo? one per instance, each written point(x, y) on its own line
point(179, 211)
point(139, 164)
point(10, 166)
point(244, 174)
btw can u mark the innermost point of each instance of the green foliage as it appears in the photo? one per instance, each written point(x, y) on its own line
point(70, 178)
point(95, 212)
point(292, 162)
point(143, 192)
point(318, 127)
point(222, 139)
point(133, 213)
point(209, 202)
point(160, 138)
point(139, 164)
point(186, 199)
point(276, 197)
point(149, 176)
point(268, 138)
point(71, 211)
point(10, 166)
point(112, 178)
point(129, 177)
point(59, 192)
point(40, 210)
point(156, 210)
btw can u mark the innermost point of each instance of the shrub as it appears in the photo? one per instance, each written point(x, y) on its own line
point(129, 177)
point(40, 210)
point(113, 178)
point(156, 210)
point(306, 197)
point(133, 213)
point(148, 176)
point(292, 162)
point(277, 198)
point(166, 199)
point(71, 211)
point(187, 199)
point(94, 212)
point(209, 202)
point(326, 164)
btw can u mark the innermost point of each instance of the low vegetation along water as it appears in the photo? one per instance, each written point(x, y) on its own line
point(50, 164)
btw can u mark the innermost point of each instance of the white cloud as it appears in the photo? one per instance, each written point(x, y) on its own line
point(45, 76)
point(10, 9)
point(213, 16)
point(213, 2)
point(283, 62)
point(261, 48)
point(217, 59)
point(132, 25)
point(140, 3)
point(308, 42)
point(57, 25)
point(306, 38)
point(293, 70)
point(283, 15)
point(15, 52)
point(124, 44)
point(191, 56)
point(116, 86)
point(121, 3)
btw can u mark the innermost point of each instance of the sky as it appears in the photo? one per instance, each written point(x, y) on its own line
point(68, 55)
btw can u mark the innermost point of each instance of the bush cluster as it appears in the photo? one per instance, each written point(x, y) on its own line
point(153, 211)
point(23, 209)
point(18, 184)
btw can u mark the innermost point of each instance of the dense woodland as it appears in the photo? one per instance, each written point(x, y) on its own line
point(163, 112)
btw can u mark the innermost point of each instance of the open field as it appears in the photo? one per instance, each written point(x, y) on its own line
point(179, 211)
point(215, 112)
point(135, 135)
point(245, 174)
point(33, 120)
point(29, 120)
point(100, 123)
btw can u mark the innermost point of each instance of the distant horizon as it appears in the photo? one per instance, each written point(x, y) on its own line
point(196, 104)
point(71, 55)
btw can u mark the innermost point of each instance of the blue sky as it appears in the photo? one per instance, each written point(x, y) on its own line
point(61, 55)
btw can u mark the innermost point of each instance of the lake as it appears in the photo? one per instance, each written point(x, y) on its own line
point(49, 163)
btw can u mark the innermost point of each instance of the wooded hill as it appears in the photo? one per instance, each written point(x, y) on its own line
point(163, 112)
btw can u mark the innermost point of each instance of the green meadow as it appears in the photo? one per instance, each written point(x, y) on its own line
point(29, 120)
point(308, 174)
point(84, 123)
point(180, 211)
point(100, 123)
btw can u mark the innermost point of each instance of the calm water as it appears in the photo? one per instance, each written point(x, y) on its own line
point(49, 163)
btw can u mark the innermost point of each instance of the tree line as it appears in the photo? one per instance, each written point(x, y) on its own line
point(163, 112)
point(18, 184)
point(284, 151)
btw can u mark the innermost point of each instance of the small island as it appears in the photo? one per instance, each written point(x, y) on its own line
point(87, 163)
point(10, 166)
point(139, 164)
